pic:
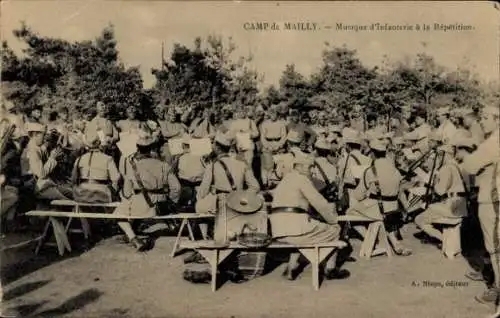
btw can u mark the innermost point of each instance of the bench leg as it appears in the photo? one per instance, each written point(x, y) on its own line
point(177, 239)
point(44, 237)
point(213, 266)
point(369, 240)
point(190, 229)
point(66, 228)
point(316, 256)
point(60, 235)
point(383, 239)
point(214, 258)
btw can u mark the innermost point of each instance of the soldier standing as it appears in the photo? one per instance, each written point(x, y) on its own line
point(483, 163)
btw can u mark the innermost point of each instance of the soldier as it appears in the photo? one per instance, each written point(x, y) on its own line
point(150, 187)
point(284, 163)
point(471, 123)
point(39, 164)
point(245, 131)
point(483, 163)
point(307, 135)
point(202, 125)
point(449, 197)
point(446, 127)
point(130, 124)
point(170, 124)
point(378, 193)
point(10, 179)
point(217, 173)
point(324, 172)
point(170, 127)
point(273, 138)
point(95, 175)
point(290, 222)
point(100, 125)
point(190, 169)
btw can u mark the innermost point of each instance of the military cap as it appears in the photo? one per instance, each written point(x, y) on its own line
point(322, 143)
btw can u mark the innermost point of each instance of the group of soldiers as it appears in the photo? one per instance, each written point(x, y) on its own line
point(311, 166)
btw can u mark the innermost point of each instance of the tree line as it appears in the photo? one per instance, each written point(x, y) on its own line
point(54, 73)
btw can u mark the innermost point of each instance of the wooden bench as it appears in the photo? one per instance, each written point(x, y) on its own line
point(60, 231)
point(77, 209)
point(216, 253)
point(451, 245)
point(376, 230)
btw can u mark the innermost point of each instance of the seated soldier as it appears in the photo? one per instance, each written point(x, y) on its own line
point(150, 187)
point(10, 180)
point(284, 163)
point(448, 198)
point(324, 173)
point(190, 169)
point(294, 196)
point(378, 193)
point(40, 164)
point(273, 138)
point(216, 173)
point(95, 175)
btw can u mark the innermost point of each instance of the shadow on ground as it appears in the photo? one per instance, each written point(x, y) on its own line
point(73, 304)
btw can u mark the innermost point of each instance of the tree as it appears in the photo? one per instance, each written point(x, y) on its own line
point(206, 75)
point(343, 78)
point(53, 73)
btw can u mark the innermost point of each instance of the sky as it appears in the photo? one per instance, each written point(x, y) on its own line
point(141, 27)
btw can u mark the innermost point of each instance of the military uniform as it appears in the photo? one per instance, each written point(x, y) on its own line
point(388, 178)
point(161, 185)
point(290, 222)
point(273, 139)
point(201, 128)
point(451, 189)
point(190, 170)
point(350, 163)
point(128, 125)
point(246, 126)
point(101, 124)
point(95, 177)
point(215, 176)
point(484, 164)
point(39, 164)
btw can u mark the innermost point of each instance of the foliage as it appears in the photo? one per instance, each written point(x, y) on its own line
point(206, 75)
point(54, 73)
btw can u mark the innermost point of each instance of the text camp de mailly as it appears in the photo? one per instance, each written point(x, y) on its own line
point(276, 26)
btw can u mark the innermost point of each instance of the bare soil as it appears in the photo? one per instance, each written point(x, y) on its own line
point(112, 280)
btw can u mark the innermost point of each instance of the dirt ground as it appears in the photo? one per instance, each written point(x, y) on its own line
point(112, 280)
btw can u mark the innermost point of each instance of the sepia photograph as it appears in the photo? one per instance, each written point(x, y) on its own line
point(235, 159)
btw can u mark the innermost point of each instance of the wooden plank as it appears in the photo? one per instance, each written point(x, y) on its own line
point(87, 215)
point(210, 244)
point(354, 218)
point(74, 203)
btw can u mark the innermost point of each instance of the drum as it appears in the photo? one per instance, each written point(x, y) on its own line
point(229, 223)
